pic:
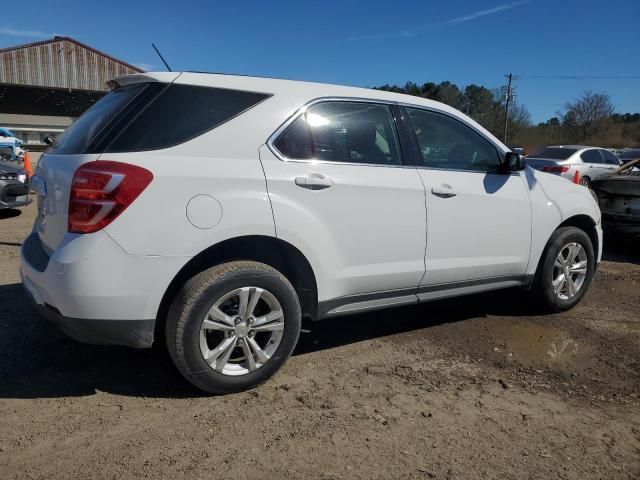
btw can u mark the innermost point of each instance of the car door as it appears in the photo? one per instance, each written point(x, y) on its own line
point(478, 220)
point(342, 193)
point(595, 164)
point(613, 162)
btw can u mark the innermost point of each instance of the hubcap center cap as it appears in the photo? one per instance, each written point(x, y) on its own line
point(242, 330)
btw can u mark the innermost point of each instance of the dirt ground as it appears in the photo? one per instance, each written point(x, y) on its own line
point(480, 387)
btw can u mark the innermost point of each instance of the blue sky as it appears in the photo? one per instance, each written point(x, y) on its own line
point(369, 43)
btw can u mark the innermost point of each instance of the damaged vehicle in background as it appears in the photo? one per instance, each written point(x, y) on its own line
point(619, 198)
point(627, 156)
point(10, 146)
point(14, 185)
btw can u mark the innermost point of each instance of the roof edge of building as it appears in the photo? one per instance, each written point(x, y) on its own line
point(58, 38)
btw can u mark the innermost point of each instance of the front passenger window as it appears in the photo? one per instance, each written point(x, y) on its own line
point(447, 143)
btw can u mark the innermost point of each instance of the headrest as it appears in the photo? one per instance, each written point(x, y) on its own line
point(361, 134)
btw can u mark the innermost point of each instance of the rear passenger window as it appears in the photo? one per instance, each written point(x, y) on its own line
point(448, 143)
point(182, 112)
point(591, 156)
point(343, 132)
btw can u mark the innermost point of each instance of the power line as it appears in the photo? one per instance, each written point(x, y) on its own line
point(585, 77)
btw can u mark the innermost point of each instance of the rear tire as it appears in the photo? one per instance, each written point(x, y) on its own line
point(585, 182)
point(233, 326)
point(566, 269)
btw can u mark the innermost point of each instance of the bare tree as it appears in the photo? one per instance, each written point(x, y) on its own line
point(588, 114)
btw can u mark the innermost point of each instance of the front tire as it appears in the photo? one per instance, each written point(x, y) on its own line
point(566, 269)
point(233, 326)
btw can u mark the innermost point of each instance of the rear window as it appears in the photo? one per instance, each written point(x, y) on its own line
point(152, 116)
point(554, 153)
point(77, 138)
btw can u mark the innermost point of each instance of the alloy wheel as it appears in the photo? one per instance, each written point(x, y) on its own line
point(241, 331)
point(569, 271)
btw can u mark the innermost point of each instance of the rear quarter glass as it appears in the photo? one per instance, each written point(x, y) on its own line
point(151, 116)
point(180, 113)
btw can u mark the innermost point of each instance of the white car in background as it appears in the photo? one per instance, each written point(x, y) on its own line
point(566, 160)
point(216, 211)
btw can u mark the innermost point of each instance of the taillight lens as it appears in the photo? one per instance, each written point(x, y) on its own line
point(556, 169)
point(102, 190)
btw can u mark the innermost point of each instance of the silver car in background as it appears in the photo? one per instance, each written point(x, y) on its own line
point(566, 160)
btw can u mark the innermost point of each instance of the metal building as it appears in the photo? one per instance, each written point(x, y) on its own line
point(45, 85)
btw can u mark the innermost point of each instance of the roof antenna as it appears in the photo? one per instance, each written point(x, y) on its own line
point(161, 57)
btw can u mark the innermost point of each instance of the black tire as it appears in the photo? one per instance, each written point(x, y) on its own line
point(543, 284)
point(585, 182)
point(194, 300)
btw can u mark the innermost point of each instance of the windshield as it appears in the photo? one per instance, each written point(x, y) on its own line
point(555, 153)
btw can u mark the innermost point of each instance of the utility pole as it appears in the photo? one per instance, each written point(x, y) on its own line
point(508, 95)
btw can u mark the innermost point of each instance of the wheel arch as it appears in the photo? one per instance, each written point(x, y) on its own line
point(582, 221)
point(585, 223)
point(272, 251)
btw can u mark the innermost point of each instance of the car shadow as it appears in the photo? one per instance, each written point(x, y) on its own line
point(11, 244)
point(621, 248)
point(9, 213)
point(38, 361)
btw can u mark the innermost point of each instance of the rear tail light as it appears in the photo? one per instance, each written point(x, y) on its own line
point(102, 190)
point(556, 169)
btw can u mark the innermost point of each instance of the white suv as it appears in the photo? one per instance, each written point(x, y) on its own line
point(216, 211)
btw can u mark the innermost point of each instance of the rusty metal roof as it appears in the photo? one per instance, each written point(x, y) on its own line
point(61, 62)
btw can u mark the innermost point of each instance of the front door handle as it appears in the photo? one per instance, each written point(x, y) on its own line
point(444, 191)
point(314, 181)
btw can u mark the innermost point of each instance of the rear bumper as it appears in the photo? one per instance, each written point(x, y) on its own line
point(128, 333)
point(20, 202)
point(94, 291)
point(13, 193)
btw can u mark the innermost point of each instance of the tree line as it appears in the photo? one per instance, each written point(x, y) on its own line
point(589, 119)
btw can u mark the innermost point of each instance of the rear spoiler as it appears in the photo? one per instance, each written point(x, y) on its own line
point(161, 77)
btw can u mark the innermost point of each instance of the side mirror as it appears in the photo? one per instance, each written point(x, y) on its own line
point(48, 140)
point(513, 162)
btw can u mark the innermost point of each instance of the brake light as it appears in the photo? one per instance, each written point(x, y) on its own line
point(556, 169)
point(102, 190)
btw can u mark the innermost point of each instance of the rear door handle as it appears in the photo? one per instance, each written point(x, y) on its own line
point(444, 191)
point(314, 181)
